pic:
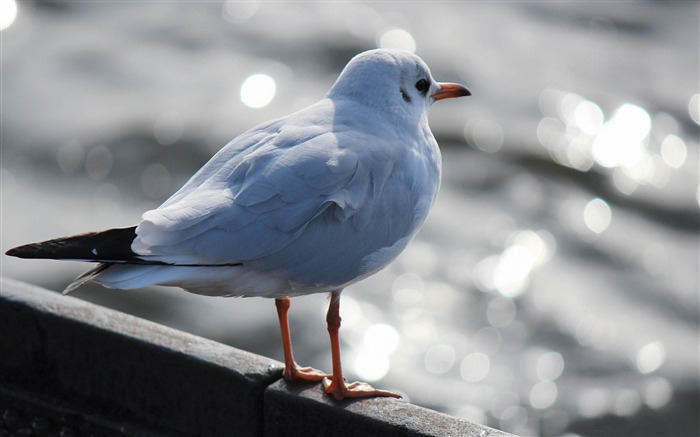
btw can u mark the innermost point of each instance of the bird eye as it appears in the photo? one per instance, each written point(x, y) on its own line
point(422, 86)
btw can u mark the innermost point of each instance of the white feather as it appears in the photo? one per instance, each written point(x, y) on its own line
point(306, 203)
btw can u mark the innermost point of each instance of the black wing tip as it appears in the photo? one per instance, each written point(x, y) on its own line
point(15, 251)
point(26, 251)
point(112, 244)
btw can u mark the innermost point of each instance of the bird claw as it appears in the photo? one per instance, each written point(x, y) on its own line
point(354, 390)
point(304, 374)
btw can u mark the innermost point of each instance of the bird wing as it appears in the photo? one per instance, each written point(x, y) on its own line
point(260, 192)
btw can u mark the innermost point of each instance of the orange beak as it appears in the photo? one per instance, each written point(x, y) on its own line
point(450, 90)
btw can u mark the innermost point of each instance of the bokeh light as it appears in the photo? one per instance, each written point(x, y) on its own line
point(514, 417)
point(513, 270)
point(70, 157)
point(626, 402)
point(380, 341)
point(657, 392)
point(483, 134)
point(258, 90)
point(371, 367)
point(650, 357)
point(8, 13)
point(488, 340)
point(543, 394)
point(239, 11)
point(674, 151)
point(396, 39)
point(694, 108)
point(168, 127)
point(588, 117)
point(632, 147)
point(550, 366)
point(475, 367)
point(352, 313)
point(621, 140)
point(509, 273)
point(593, 402)
point(597, 215)
point(439, 358)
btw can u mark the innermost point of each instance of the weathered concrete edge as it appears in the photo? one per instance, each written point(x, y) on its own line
point(178, 382)
point(127, 369)
point(293, 409)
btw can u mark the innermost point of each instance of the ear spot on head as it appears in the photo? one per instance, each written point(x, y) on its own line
point(405, 96)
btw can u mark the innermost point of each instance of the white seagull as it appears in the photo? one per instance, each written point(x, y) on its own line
point(307, 203)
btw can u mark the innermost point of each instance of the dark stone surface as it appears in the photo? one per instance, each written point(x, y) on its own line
point(125, 369)
point(303, 409)
point(32, 414)
point(72, 368)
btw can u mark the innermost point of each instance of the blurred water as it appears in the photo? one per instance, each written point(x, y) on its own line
point(554, 288)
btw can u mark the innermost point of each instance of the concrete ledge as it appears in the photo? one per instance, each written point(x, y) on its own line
point(116, 374)
point(127, 369)
point(292, 409)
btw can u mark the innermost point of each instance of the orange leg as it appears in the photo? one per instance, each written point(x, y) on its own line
point(335, 385)
point(292, 372)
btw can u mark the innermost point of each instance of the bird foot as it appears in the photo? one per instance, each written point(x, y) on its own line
point(354, 390)
point(304, 374)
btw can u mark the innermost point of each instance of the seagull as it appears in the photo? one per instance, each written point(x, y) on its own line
point(308, 203)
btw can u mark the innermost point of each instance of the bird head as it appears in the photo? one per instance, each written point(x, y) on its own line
point(394, 81)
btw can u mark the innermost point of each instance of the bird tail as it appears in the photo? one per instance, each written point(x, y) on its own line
point(119, 267)
point(112, 245)
point(106, 247)
point(86, 277)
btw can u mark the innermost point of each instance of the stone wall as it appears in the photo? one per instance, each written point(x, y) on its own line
point(69, 367)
